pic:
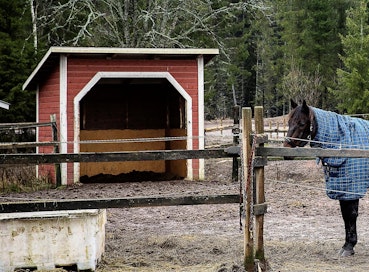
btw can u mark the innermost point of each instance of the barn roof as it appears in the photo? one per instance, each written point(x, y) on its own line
point(51, 58)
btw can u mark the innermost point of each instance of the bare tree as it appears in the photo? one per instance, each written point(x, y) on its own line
point(299, 85)
point(167, 23)
point(63, 22)
point(34, 23)
point(135, 23)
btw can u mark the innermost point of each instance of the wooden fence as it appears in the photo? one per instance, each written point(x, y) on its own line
point(56, 158)
point(253, 155)
point(277, 129)
point(253, 150)
point(21, 126)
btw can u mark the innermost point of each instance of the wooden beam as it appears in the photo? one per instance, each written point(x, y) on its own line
point(129, 202)
point(259, 190)
point(114, 156)
point(177, 155)
point(311, 152)
point(23, 125)
point(247, 195)
point(26, 145)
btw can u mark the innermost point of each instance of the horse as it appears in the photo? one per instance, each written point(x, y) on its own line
point(347, 179)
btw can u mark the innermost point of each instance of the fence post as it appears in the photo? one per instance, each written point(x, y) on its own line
point(236, 133)
point(259, 205)
point(56, 149)
point(247, 196)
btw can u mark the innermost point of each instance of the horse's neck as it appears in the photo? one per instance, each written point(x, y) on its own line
point(327, 123)
point(313, 124)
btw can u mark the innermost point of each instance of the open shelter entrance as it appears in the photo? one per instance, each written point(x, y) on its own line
point(133, 113)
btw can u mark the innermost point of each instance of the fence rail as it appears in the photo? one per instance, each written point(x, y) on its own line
point(177, 155)
point(26, 144)
point(118, 156)
point(311, 152)
point(7, 126)
point(129, 202)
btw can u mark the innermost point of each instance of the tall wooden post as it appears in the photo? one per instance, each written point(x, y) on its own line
point(56, 150)
point(247, 196)
point(236, 133)
point(259, 205)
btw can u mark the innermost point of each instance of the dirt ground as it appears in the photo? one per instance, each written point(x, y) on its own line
point(303, 228)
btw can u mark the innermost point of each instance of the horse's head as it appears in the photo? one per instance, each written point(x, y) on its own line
point(301, 125)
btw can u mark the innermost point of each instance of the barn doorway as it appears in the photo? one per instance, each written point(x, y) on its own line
point(135, 108)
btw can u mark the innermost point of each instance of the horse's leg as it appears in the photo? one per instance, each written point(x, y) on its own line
point(349, 210)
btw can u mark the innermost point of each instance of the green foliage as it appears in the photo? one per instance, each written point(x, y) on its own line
point(269, 66)
point(16, 61)
point(311, 46)
point(353, 78)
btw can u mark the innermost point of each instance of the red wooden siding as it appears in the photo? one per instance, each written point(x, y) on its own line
point(48, 104)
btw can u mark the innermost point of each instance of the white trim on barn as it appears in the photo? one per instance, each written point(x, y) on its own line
point(134, 51)
point(200, 87)
point(101, 75)
point(37, 128)
point(63, 113)
point(37, 69)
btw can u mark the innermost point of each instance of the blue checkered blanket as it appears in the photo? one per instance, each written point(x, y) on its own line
point(346, 178)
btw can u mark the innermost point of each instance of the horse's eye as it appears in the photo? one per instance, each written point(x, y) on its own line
point(301, 124)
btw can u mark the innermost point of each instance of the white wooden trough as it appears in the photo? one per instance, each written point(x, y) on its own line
point(46, 240)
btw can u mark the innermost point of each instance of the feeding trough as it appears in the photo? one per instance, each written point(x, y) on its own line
point(47, 240)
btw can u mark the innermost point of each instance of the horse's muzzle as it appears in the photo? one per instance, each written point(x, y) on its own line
point(290, 144)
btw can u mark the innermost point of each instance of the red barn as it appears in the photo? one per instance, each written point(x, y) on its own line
point(104, 94)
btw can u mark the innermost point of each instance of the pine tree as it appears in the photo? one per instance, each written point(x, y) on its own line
point(268, 66)
point(16, 59)
point(353, 79)
point(310, 31)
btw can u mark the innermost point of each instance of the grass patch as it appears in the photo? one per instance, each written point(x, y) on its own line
point(15, 178)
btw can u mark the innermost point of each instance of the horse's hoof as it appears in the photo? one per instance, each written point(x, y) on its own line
point(346, 252)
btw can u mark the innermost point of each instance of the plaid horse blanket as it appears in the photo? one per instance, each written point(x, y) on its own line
point(346, 178)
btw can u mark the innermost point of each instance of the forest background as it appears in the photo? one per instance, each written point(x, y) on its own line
point(270, 50)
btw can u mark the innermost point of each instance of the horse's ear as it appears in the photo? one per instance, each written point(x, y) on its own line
point(293, 104)
point(305, 107)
